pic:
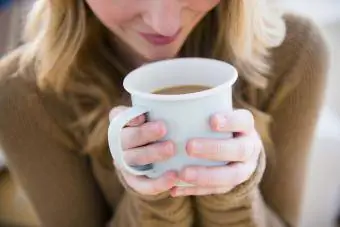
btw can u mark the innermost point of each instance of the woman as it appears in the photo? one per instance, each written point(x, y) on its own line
point(57, 91)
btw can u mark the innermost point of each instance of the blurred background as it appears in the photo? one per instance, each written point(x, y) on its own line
point(322, 194)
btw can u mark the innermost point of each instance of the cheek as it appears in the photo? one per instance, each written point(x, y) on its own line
point(112, 13)
point(203, 5)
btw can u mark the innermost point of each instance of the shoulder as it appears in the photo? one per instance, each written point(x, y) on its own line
point(304, 41)
point(23, 105)
point(301, 62)
point(303, 55)
point(299, 28)
point(18, 98)
point(14, 88)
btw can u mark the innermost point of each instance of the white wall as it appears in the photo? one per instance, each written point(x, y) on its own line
point(324, 11)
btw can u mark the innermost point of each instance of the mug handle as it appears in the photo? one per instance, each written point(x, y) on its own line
point(115, 140)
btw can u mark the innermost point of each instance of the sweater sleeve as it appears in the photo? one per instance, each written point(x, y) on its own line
point(56, 180)
point(294, 121)
point(137, 210)
point(240, 207)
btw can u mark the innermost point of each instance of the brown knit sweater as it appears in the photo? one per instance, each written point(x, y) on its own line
point(68, 189)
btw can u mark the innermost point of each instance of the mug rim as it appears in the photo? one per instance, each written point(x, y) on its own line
point(194, 95)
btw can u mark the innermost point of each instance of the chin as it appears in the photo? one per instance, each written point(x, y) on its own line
point(156, 56)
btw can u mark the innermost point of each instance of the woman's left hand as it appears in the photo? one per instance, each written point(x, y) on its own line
point(240, 152)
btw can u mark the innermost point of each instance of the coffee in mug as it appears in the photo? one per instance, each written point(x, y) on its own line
point(184, 89)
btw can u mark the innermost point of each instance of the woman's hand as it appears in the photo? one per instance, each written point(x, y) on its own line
point(241, 152)
point(138, 141)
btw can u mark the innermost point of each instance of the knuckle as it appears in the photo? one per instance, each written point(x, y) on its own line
point(207, 182)
point(206, 179)
point(249, 147)
point(130, 137)
point(243, 151)
point(168, 150)
point(147, 132)
point(148, 154)
point(157, 152)
point(219, 147)
point(139, 135)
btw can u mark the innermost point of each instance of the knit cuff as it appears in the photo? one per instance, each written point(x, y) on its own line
point(239, 193)
point(159, 210)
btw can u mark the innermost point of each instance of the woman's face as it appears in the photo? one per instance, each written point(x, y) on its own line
point(155, 29)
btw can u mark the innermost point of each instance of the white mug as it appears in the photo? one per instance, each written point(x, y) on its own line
point(186, 116)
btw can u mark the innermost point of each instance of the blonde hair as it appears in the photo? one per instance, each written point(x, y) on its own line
point(70, 51)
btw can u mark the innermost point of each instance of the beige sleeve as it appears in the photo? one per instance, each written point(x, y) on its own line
point(137, 210)
point(57, 181)
point(242, 207)
point(294, 121)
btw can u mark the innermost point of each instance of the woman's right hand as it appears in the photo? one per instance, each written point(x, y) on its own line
point(139, 143)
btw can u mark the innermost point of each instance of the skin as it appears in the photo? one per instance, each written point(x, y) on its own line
point(126, 18)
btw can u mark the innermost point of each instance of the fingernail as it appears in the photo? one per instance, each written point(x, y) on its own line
point(195, 147)
point(170, 147)
point(158, 128)
point(221, 121)
point(190, 175)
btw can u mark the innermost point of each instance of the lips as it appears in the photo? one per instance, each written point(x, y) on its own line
point(159, 40)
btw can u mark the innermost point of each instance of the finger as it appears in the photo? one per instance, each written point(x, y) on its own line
point(150, 154)
point(221, 176)
point(146, 133)
point(147, 186)
point(137, 121)
point(241, 121)
point(199, 191)
point(238, 149)
point(133, 123)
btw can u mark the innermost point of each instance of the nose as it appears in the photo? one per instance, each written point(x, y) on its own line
point(164, 16)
